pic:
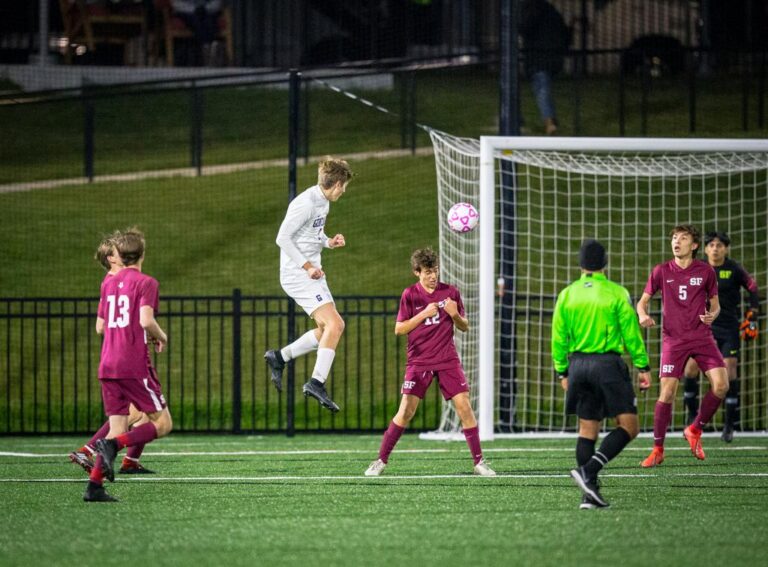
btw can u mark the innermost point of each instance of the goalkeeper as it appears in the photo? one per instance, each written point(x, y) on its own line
point(593, 322)
point(731, 277)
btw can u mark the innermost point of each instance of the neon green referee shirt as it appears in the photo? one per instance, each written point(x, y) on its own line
point(595, 315)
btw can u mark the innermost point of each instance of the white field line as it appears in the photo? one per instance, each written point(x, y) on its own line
point(256, 453)
point(192, 172)
point(360, 477)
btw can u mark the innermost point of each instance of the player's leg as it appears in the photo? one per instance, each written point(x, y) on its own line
point(131, 464)
point(85, 455)
point(691, 390)
point(471, 431)
point(408, 406)
point(332, 327)
point(662, 417)
point(731, 399)
point(718, 386)
point(277, 359)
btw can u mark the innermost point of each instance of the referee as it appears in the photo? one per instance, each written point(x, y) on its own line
point(593, 321)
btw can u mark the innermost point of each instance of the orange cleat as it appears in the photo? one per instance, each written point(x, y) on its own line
point(654, 459)
point(694, 440)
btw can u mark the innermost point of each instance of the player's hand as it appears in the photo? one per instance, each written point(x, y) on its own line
point(430, 310)
point(315, 273)
point(749, 328)
point(450, 307)
point(564, 383)
point(643, 380)
point(160, 343)
point(337, 241)
point(646, 321)
point(707, 318)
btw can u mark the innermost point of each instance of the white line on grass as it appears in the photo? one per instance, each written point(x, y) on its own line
point(367, 452)
point(373, 479)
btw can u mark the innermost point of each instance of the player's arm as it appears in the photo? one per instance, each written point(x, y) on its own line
point(644, 319)
point(295, 217)
point(405, 327)
point(151, 327)
point(748, 327)
point(99, 326)
point(559, 342)
point(459, 321)
point(633, 341)
point(714, 310)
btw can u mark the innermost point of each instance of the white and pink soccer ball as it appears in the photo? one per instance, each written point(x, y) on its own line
point(462, 217)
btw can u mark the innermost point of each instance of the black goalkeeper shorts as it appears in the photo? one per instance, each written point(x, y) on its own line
point(728, 341)
point(599, 386)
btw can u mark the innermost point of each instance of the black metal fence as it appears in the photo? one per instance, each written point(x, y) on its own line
point(213, 372)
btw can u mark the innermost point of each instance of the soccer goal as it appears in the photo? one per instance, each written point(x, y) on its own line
point(538, 199)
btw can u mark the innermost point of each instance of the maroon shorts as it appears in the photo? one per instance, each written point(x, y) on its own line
point(451, 381)
point(673, 358)
point(145, 394)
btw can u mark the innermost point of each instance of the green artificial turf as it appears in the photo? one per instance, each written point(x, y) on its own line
point(237, 500)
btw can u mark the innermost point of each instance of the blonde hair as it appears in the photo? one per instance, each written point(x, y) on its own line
point(106, 249)
point(331, 171)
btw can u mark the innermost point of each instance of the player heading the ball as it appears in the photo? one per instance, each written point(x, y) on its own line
point(301, 239)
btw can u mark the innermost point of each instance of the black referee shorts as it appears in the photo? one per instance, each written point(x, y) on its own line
point(599, 386)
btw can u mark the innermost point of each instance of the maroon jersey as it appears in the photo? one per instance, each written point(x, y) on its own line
point(430, 345)
point(124, 352)
point(685, 295)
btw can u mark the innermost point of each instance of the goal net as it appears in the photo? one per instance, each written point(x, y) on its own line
point(543, 196)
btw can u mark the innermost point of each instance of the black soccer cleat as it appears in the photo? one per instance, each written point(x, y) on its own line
point(107, 448)
point(727, 434)
point(316, 389)
point(81, 459)
point(588, 486)
point(131, 467)
point(96, 493)
point(588, 504)
point(276, 364)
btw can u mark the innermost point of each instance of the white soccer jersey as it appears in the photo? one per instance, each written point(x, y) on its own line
point(301, 237)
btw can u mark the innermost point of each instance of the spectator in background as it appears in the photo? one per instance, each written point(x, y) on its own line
point(202, 18)
point(546, 39)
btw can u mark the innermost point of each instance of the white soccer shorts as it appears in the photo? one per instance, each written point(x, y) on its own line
point(308, 293)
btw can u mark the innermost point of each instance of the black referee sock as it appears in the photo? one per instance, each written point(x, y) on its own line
point(609, 448)
point(585, 448)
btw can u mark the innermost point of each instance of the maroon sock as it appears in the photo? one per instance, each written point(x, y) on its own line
point(100, 434)
point(472, 435)
point(707, 409)
point(97, 475)
point(134, 451)
point(140, 435)
point(391, 437)
point(662, 415)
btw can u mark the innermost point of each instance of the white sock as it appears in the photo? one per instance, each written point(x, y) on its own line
point(304, 344)
point(323, 364)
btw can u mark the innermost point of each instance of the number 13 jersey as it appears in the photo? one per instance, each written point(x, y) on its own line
point(124, 352)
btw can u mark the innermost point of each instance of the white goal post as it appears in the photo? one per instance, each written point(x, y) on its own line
point(627, 192)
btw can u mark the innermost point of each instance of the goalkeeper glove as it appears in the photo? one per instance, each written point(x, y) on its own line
point(749, 327)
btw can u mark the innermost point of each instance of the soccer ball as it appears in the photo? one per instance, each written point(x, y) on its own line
point(462, 217)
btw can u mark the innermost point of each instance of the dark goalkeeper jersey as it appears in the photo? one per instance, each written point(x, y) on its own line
point(731, 277)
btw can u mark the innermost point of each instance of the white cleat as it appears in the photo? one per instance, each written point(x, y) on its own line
point(375, 468)
point(483, 469)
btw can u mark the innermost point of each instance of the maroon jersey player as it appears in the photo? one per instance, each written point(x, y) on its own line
point(127, 307)
point(690, 304)
point(429, 311)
